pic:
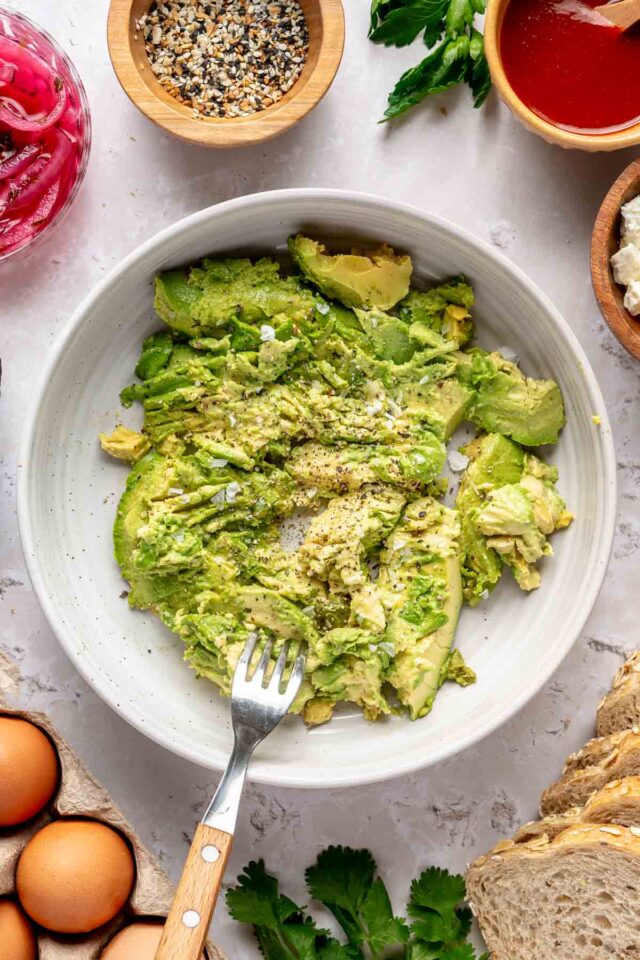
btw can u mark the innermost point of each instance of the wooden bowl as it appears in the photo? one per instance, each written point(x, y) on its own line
point(325, 19)
point(614, 140)
point(604, 243)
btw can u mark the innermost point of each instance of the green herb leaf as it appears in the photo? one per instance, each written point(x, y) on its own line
point(478, 76)
point(459, 16)
point(282, 931)
point(435, 897)
point(400, 27)
point(383, 928)
point(445, 67)
point(343, 880)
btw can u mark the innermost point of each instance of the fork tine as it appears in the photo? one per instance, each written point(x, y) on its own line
point(263, 663)
point(278, 670)
point(295, 680)
point(246, 655)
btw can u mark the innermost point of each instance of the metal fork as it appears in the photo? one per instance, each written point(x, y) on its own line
point(258, 704)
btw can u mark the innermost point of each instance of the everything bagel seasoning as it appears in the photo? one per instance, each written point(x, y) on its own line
point(226, 58)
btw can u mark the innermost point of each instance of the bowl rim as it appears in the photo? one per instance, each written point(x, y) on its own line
point(236, 131)
point(622, 324)
point(614, 140)
point(270, 773)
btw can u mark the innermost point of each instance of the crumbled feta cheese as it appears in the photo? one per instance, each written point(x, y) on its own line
point(631, 220)
point(458, 461)
point(232, 491)
point(185, 498)
point(175, 491)
point(632, 298)
point(484, 595)
point(219, 498)
point(626, 264)
point(322, 307)
point(308, 611)
point(387, 648)
point(216, 463)
point(312, 491)
point(508, 354)
point(232, 420)
point(374, 407)
point(267, 333)
point(424, 379)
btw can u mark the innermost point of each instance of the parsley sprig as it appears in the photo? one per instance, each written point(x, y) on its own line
point(347, 883)
point(456, 48)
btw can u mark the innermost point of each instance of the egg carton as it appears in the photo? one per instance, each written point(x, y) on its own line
point(81, 795)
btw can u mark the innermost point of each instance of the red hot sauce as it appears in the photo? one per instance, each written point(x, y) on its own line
point(571, 66)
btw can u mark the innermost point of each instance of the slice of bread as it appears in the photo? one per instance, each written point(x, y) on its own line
point(595, 751)
point(617, 802)
point(576, 786)
point(572, 898)
point(620, 709)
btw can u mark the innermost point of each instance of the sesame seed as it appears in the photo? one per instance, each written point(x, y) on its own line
point(226, 58)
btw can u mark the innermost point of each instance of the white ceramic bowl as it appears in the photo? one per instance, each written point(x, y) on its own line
point(69, 490)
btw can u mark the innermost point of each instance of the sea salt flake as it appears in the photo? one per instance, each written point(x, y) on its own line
point(233, 489)
point(458, 461)
point(267, 333)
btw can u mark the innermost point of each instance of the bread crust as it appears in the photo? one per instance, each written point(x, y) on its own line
point(574, 788)
point(620, 709)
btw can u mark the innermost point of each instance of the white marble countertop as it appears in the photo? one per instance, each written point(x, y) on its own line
point(480, 169)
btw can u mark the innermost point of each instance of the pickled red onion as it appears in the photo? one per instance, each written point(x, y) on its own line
point(37, 178)
point(27, 227)
point(15, 164)
point(12, 116)
point(7, 72)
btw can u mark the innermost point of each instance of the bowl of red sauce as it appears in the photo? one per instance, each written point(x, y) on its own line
point(45, 133)
point(566, 71)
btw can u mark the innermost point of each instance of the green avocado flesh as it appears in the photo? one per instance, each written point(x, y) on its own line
point(287, 482)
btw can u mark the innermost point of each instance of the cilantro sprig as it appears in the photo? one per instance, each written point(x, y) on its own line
point(346, 882)
point(456, 48)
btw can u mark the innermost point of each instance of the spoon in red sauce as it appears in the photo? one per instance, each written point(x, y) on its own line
point(569, 64)
point(624, 13)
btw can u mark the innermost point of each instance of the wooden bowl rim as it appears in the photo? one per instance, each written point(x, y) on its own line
point(227, 132)
point(608, 293)
point(615, 140)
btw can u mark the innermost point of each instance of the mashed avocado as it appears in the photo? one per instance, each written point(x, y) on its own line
point(287, 480)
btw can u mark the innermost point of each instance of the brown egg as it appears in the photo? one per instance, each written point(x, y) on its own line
point(139, 941)
point(74, 875)
point(17, 940)
point(28, 771)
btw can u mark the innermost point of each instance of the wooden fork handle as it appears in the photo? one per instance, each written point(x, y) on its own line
point(187, 925)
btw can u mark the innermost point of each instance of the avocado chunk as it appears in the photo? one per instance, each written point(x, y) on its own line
point(331, 469)
point(266, 608)
point(442, 405)
point(420, 577)
point(494, 462)
point(125, 444)
point(206, 298)
point(509, 505)
point(340, 539)
point(517, 518)
point(445, 309)
point(353, 679)
point(365, 279)
point(527, 410)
